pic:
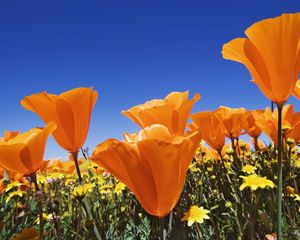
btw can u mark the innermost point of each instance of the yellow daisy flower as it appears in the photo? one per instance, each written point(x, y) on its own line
point(18, 193)
point(12, 185)
point(119, 188)
point(195, 214)
point(249, 169)
point(106, 188)
point(81, 191)
point(254, 182)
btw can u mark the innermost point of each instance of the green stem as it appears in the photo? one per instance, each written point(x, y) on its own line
point(75, 159)
point(279, 176)
point(40, 206)
point(234, 195)
point(85, 203)
point(161, 227)
point(170, 222)
point(198, 230)
point(256, 144)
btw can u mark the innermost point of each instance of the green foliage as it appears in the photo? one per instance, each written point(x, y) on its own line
point(210, 182)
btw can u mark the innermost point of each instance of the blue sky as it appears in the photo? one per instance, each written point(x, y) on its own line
point(129, 51)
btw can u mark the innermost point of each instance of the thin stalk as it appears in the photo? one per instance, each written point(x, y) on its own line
point(161, 227)
point(198, 230)
point(253, 218)
point(234, 195)
point(40, 206)
point(56, 226)
point(85, 203)
point(75, 159)
point(170, 221)
point(256, 144)
point(279, 193)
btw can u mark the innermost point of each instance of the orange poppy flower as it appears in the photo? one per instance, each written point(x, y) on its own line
point(66, 167)
point(258, 144)
point(268, 123)
point(172, 112)
point(211, 127)
point(232, 120)
point(8, 135)
point(249, 124)
point(294, 131)
point(241, 146)
point(216, 155)
point(13, 177)
point(297, 90)
point(152, 163)
point(24, 153)
point(71, 111)
point(271, 53)
point(43, 168)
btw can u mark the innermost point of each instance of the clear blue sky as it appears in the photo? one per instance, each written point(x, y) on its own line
point(129, 51)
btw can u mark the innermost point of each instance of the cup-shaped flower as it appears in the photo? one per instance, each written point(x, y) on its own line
point(211, 127)
point(267, 121)
point(271, 53)
point(172, 112)
point(249, 124)
point(297, 90)
point(232, 120)
point(71, 111)
point(152, 163)
point(24, 153)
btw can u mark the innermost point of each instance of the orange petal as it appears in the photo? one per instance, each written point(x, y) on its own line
point(24, 153)
point(82, 101)
point(123, 161)
point(277, 40)
point(42, 104)
point(213, 130)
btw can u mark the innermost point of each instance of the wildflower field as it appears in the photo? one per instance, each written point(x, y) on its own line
point(184, 175)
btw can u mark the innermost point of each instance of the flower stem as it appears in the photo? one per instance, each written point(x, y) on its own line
point(40, 206)
point(170, 222)
point(75, 159)
point(161, 227)
point(85, 203)
point(279, 174)
point(256, 144)
point(198, 230)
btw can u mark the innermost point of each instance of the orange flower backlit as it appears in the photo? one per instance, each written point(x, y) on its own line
point(24, 153)
point(249, 124)
point(271, 53)
point(172, 112)
point(71, 111)
point(152, 163)
point(232, 120)
point(268, 123)
point(211, 127)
